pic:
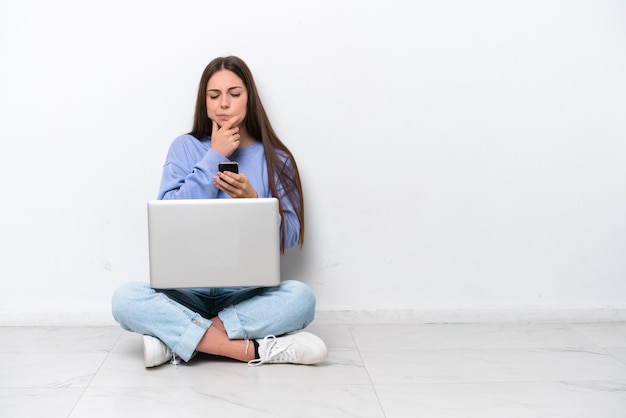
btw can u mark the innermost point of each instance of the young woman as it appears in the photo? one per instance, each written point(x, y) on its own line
point(255, 325)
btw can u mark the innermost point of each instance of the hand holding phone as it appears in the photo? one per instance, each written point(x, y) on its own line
point(236, 186)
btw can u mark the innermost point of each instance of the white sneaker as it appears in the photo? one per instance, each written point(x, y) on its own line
point(155, 352)
point(300, 348)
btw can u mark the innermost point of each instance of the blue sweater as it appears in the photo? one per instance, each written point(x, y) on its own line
point(191, 164)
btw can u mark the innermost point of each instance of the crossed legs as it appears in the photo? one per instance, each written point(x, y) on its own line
point(284, 309)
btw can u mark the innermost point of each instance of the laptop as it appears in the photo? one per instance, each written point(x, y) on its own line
point(214, 243)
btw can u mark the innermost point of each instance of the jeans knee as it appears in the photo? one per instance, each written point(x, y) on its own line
point(124, 298)
point(303, 299)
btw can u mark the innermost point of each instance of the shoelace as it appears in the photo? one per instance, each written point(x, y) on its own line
point(279, 355)
point(175, 361)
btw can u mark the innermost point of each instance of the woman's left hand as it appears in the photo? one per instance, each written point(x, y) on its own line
point(234, 185)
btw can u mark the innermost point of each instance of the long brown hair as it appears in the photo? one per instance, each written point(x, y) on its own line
point(281, 165)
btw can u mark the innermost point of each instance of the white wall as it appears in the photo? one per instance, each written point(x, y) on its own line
point(458, 157)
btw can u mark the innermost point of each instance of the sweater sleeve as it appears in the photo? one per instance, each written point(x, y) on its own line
point(292, 227)
point(290, 224)
point(188, 171)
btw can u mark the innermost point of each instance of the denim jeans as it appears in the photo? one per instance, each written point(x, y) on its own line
point(180, 317)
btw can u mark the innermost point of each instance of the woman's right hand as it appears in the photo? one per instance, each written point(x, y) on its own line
point(225, 139)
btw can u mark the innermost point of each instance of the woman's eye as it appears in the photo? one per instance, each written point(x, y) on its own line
point(236, 94)
point(213, 97)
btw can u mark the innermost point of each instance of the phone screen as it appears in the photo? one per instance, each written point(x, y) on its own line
point(232, 166)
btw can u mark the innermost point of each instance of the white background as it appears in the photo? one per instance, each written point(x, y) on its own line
point(457, 156)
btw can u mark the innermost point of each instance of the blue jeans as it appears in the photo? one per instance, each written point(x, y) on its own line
point(180, 317)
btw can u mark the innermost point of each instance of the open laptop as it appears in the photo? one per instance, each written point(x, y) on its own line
point(214, 243)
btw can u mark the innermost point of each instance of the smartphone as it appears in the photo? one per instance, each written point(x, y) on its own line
point(228, 166)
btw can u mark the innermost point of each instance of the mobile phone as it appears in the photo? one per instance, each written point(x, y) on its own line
point(228, 166)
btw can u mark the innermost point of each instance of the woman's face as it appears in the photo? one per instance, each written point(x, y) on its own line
point(226, 98)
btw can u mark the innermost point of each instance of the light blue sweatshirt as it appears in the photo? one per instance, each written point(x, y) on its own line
point(191, 164)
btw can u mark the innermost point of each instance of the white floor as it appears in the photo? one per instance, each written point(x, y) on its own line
point(447, 370)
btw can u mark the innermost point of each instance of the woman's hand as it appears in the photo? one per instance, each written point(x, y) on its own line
point(234, 185)
point(225, 139)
